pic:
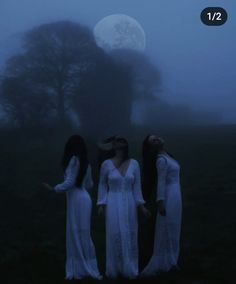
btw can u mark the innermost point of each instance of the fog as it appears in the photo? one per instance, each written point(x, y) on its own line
point(196, 62)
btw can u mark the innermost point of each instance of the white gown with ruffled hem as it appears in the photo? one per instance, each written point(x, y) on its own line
point(80, 252)
point(167, 230)
point(121, 195)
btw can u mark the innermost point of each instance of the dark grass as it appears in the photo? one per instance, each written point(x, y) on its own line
point(32, 226)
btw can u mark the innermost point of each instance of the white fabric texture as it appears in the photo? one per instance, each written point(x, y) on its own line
point(121, 194)
point(167, 230)
point(81, 257)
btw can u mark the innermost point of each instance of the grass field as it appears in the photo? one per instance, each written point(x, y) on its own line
point(32, 226)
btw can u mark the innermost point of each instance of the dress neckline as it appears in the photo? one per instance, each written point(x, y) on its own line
point(117, 169)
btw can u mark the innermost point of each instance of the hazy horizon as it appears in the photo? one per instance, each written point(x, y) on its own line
point(196, 62)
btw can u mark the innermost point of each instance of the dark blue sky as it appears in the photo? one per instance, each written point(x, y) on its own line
point(197, 62)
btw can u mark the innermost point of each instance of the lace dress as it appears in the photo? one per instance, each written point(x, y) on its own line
point(121, 195)
point(167, 230)
point(80, 252)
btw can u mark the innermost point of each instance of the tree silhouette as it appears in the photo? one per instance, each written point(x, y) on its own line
point(55, 57)
point(146, 77)
point(25, 104)
point(104, 97)
point(62, 69)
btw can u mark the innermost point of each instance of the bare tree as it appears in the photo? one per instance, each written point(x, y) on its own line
point(55, 57)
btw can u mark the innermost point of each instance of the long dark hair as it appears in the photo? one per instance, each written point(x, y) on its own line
point(75, 146)
point(149, 172)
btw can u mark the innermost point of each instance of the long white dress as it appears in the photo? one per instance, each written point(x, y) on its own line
point(121, 195)
point(80, 252)
point(167, 230)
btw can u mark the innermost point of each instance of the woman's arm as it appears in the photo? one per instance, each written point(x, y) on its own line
point(137, 192)
point(88, 184)
point(103, 186)
point(70, 177)
point(161, 165)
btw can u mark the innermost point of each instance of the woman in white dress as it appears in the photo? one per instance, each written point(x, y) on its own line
point(163, 169)
point(119, 195)
point(81, 258)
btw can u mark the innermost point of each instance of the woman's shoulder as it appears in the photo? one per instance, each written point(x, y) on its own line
point(72, 164)
point(105, 163)
point(74, 160)
point(162, 158)
point(169, 158)
point(134, 162)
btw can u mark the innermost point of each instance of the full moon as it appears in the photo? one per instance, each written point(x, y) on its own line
point(119, 31)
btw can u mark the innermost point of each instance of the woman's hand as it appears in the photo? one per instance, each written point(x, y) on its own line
point(161, 208)
point(47, 186)
point(101, 210)
point(145, 211)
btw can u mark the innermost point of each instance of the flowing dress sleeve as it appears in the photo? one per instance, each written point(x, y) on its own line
point(161, 165)
point(88, 183)
point(103, 185)
point(137, 192)
point(70, 176)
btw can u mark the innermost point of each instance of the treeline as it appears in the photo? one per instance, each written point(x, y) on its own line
point(62, 72)
point(62, 79)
